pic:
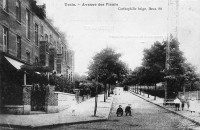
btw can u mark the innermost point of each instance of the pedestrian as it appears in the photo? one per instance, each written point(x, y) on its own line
point(177, 104)
point(182, 105)
point(119, 111)
point(192, 105)
point(128, 110)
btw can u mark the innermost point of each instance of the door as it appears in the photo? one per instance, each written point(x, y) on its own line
point(38, 98)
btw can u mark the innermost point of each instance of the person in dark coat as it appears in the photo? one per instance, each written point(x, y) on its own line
point(128, 110)
point(119, 111)
point(182, 105)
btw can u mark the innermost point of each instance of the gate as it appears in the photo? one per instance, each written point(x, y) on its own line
point(38, 97)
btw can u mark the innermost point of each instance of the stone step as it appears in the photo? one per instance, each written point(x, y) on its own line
point(37, 112)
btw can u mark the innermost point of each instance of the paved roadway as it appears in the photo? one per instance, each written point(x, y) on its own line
point(144, 116)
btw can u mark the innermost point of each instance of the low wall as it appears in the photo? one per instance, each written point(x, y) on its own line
point(13, 109)
point(65, 100)
point(25, 108)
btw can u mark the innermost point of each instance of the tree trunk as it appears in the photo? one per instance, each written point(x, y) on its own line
point(96, 98)
point(165, 89)
point(95, 108)
point(148, 91)
point(135, 88)
point(140, 89)
point(155, 93)
point(192, 86)
point(104, 92)
point(184, 90)
point(108, 90)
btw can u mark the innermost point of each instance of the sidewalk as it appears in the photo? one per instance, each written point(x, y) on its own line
point(84, 113)
point(195, 117)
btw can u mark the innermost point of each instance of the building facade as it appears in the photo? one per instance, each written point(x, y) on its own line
point(27, 38)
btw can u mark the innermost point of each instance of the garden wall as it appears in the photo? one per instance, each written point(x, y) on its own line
point(65, 100)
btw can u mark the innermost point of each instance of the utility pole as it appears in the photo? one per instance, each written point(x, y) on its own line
point(167, 65)
point(172, 20)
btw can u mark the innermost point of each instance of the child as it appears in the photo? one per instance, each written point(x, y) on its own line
point(128, 110)
point(119, 111)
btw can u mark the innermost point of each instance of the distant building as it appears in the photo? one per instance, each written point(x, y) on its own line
point(118, 90)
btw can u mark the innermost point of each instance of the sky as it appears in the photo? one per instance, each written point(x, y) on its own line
point(89, 29)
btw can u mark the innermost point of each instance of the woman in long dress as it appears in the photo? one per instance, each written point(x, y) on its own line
point(192, 103)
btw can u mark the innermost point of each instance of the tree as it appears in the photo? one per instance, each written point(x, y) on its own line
point(190, 79)
point(154, 64)
point(38, 10)
point(108, 68)
point(178, 73)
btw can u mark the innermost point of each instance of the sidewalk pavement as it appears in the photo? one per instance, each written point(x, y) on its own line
point(195, 117)
point(83, 114)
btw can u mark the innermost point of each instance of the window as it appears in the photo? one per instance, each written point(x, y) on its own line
point(50, 40)
point(62, 51)
point(28, 57)
point(42, 30)
point(28, 24)
point(5, 39)
point(18, 47)
point(41, 38)
point(5, 5)
point(36, 59)
point(57, 47)
point(36, 34)
point(46, 39)
point(59, 68)
point(18, 10)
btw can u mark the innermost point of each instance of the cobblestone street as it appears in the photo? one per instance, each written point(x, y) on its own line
point(144, 116)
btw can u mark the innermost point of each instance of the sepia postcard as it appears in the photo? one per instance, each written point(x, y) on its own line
point(99, 64)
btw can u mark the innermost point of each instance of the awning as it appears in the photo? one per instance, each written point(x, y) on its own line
point(14, 63)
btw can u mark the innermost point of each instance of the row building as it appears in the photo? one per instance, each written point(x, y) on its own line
point(27, 37)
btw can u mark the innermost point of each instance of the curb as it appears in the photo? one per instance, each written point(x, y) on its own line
point(60, 124)
point(196, 122)
point(53, 125)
